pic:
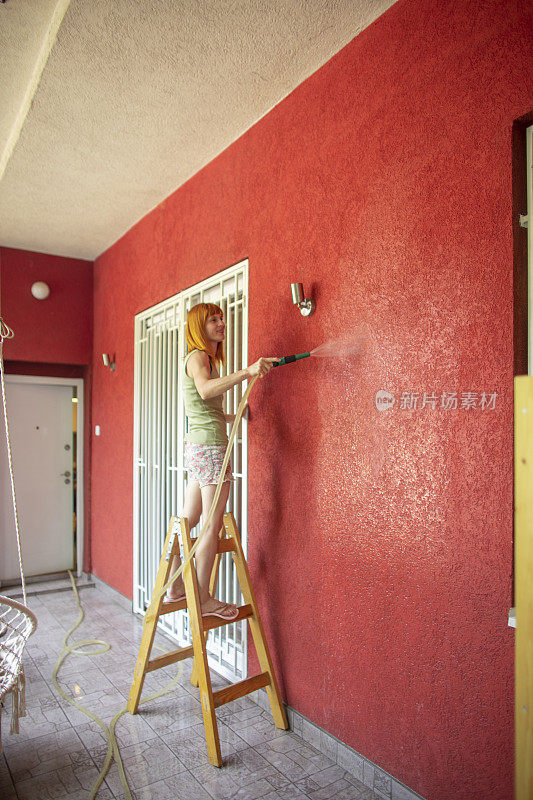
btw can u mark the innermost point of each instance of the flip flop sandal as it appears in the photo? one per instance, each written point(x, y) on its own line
point(167, 599)
point(218, 612)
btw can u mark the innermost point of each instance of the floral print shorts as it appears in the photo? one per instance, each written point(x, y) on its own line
point(203, 463)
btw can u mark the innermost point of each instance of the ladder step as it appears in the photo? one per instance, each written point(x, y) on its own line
point(240, 689)
point(169, 608)
point(211, 622)
point(169, 658)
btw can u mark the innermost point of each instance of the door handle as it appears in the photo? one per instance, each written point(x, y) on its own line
point(65, 474)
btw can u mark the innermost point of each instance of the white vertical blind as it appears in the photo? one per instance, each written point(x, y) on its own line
point(159, 430)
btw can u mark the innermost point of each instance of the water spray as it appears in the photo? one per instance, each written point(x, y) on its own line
point(341, 348)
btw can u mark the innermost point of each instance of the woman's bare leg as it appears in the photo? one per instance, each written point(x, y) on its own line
point(207, 549)
point(192, 508)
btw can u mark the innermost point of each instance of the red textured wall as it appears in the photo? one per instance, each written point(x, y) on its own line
point(57, 330)
point(380, 542)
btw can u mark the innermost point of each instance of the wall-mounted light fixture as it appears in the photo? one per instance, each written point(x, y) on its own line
point(40, 290)
point(108, 363)
point(306, 306)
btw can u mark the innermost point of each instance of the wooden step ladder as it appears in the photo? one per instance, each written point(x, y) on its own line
point(229, 542)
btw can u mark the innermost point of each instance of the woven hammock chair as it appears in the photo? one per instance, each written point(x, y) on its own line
point(17, 623)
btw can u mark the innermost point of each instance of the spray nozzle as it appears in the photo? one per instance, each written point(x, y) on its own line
point(290, 359)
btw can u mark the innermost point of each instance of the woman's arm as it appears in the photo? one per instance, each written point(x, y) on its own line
point(198, 369)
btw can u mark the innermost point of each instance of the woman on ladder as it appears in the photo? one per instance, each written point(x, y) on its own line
point(206, 441)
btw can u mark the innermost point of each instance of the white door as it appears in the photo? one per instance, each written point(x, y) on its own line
point(42, 443)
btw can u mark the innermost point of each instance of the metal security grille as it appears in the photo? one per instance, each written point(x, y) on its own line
point(160, 426)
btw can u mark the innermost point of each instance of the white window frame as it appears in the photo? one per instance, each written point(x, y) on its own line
point(174, 311)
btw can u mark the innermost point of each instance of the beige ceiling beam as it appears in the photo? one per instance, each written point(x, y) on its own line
point(47, 44)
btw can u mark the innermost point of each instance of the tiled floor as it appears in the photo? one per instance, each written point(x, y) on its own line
point(59, 751)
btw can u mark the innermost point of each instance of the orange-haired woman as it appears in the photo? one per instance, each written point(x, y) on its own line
point(206, 441)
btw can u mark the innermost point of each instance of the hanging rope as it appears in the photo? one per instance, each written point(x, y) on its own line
point(7, 333)
point(17, 622)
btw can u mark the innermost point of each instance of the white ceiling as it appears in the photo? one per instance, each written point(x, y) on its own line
point(135, 97)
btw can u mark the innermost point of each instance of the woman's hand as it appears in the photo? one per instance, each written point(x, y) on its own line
point(261, 366)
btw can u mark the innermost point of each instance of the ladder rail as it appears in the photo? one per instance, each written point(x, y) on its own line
point(256, 626)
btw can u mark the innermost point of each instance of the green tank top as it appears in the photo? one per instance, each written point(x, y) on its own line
point(206, 421)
